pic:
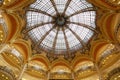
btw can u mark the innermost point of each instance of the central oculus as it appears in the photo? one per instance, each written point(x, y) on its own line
point(60, 21)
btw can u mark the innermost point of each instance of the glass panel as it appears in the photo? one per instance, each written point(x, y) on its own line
point(49, 40)
point(60, 44)
point(37, 33)
point(34, 18)
point(77, 5)
point(72, 40)
point(87, 18)
point(60, 5)
point(44, 5)
point(88, 36)
point(79, 30)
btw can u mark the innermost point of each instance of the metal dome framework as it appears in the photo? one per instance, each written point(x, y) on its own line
point(100, 62)
point(60, 26)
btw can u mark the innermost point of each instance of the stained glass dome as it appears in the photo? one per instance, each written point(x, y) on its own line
point(60, 26)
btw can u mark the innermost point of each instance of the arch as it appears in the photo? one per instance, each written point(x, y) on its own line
point(42, 59)
point(109, 24)
point(24, 47)
point(98, 47)
point(61, 62)
point(80, 59)
point(13, 22)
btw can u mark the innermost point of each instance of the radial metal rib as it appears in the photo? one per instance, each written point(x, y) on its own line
point(36, 26)
point(54, 5)
point(80, 40)
point(55, 39)
point(44, 36)
point(81, 11)
point(66, 41)
point(39, 11)
point(84, 25)
point(66, 6)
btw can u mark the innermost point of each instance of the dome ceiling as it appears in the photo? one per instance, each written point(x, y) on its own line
point(60, 26)
point(100, 59)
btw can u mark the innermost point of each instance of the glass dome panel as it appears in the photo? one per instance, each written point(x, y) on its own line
point(44, 28)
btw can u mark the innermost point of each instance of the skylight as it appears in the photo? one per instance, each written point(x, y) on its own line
point(60, 26)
